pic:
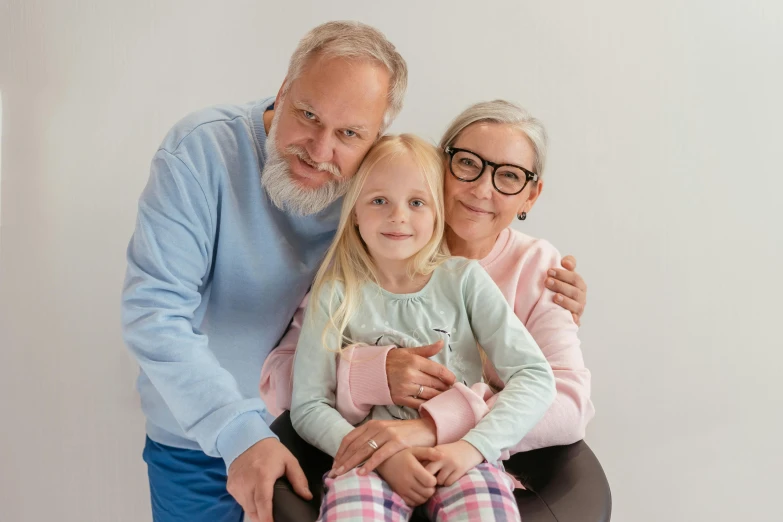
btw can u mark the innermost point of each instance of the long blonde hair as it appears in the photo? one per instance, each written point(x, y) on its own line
point(349, 262)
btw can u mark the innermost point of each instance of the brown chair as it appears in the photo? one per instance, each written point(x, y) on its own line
point(563, 483)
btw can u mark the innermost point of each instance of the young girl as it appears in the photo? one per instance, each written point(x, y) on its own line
point(387, 280)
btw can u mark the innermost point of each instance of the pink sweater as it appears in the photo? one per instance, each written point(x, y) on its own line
point(518, 265)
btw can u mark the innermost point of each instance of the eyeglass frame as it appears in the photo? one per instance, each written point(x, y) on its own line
point(529, 175)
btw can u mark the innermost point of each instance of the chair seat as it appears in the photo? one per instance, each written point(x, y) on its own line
point(563, 483)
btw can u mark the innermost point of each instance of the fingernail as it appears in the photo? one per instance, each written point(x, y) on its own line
point(339, 470)
point(552, 273)
point(362, 471)
point(558, 298)
point(550, 282)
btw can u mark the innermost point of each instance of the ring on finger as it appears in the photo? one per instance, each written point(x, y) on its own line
point(372, 444)
point(418, 393)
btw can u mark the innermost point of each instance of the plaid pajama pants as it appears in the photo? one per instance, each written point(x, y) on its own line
point(484, 493)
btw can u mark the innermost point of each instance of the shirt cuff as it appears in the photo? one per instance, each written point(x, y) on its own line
point(369, 384)
point(240, 434)
point(452, 413)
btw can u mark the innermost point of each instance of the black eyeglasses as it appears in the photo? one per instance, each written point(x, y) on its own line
point(467, 166)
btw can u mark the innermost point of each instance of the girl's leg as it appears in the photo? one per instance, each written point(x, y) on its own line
point(352, 497)
point(484, 493)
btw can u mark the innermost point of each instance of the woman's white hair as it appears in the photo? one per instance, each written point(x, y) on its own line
point(501, 111)
point(354, 40)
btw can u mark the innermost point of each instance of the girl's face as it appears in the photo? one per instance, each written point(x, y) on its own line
point(395, 210)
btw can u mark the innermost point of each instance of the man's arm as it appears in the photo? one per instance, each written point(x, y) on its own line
point(168, 257)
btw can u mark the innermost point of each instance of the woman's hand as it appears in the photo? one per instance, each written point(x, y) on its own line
point(414, 378)
point(391, 437)
point(406, 475)
point(458, 458)
point(569, 287)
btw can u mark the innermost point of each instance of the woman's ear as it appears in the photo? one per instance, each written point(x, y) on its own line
point(535, 192)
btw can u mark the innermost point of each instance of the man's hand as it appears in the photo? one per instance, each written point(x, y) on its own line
point(252, 476)
point(458, 458)
point(569, 287)
point(391, 436)
point(406, 475)
point(408, 369)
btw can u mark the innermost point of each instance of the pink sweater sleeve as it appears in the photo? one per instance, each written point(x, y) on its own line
point(361, 377)
point(554, 330)
point(276, 385)
point(361, 381)
point(521, 274)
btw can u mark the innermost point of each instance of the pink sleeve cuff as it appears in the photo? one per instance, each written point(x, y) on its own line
point(361, 381)
point(457, 411)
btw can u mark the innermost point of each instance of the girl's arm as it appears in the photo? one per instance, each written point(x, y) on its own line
point(456, 411)
point(529, 382)
point(313, 412)
point(363, 375)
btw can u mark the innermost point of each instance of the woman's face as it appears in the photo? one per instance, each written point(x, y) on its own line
point(475, 211)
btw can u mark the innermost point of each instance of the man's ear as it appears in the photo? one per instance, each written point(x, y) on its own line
point(279, 96)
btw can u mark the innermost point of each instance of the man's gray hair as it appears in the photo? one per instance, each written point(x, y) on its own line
point(501, 111)
point(354, 40)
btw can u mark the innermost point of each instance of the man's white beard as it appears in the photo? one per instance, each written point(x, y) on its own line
point(285, 193)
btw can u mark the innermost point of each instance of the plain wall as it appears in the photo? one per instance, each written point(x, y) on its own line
point(664, 180)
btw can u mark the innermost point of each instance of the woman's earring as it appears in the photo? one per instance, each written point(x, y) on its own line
point(522, 216)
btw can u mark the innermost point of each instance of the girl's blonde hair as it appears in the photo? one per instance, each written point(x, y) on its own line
point(349, 262)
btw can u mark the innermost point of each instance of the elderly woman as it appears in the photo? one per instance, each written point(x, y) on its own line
point(494, 155)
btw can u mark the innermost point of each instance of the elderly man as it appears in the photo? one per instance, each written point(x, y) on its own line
point(241, 204)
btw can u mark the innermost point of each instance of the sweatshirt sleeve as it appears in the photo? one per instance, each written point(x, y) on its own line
point(361, 377)
point(362, 381)
point(277, 374)
point(554, 330)
point(313, 405)
point(529, 385)
point(168, 258)
point(457, 410)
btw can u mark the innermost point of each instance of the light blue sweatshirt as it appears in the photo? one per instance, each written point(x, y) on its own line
point(215, 273)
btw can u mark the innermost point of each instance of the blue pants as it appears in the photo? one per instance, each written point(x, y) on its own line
point(188, 485)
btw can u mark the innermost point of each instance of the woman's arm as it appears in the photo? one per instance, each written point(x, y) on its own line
point(556, 334)
point(276, 384)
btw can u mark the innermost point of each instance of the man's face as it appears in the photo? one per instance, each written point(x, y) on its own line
point(322, 129)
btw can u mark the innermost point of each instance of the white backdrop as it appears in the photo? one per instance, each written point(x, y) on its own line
point(664, 181)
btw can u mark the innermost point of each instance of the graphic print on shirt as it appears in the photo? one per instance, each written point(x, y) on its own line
point(451, 359)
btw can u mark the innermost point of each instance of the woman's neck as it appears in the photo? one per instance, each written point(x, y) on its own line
point(393, 277)
point(469, 249)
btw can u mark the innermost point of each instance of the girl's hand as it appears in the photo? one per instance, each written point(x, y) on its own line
point(458, 458)
point(406, 475)
point(391, 436)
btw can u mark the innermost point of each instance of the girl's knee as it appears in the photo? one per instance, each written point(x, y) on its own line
point(486, 492)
